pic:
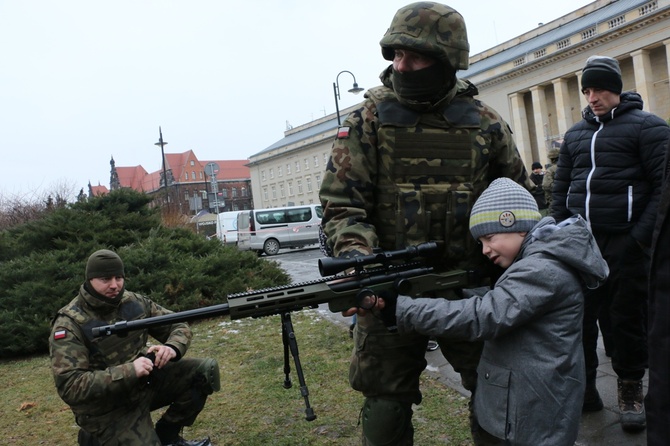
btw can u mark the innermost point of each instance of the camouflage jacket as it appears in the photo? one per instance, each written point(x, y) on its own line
point(397, 177)
point(95, 376)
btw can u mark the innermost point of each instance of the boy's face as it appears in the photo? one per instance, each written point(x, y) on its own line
point(502, 248)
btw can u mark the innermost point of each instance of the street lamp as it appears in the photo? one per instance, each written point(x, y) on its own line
point(336, 90)
point(162, 143)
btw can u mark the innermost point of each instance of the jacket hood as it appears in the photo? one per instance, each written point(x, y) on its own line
point(629, 101)
point(571, 242)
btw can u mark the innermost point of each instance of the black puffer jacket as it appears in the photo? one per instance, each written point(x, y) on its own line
point(610, 170)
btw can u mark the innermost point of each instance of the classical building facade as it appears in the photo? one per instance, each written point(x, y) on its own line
point(532, 80)
point(289, 172)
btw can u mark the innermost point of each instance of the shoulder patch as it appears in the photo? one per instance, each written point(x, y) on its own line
point(343, 132)
point(60, 334)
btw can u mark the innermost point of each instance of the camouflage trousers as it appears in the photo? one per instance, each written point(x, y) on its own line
point(176, 386)
point(388, 365)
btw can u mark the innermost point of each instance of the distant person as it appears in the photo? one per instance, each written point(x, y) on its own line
point(658, 397)
point(610, 171)
point(113, 383)
point(548, 178)
point(531, 374)
point(537, 176)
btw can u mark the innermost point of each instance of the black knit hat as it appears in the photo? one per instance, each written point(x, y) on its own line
point(602, 72)
point(104, 263)
point(536, 165)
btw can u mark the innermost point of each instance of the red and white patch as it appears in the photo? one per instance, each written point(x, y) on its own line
point(343, 132)
point(60, 334)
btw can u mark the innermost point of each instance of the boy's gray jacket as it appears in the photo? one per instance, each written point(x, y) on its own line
point(531, 375)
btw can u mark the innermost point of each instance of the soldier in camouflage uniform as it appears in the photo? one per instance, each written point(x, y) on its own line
point(548, 180)
point(109, 382)
point(406, 168)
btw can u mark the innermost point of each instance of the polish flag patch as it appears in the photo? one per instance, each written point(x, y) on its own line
point(60, 334)
point(343, 132)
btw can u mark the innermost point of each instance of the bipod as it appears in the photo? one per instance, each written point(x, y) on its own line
point(290, 342)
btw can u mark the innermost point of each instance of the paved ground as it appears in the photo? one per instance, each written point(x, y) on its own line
point(596, 429)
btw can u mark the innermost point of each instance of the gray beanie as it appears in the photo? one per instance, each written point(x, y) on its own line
point(104, 263)
point(504, 206)
point(602, 72)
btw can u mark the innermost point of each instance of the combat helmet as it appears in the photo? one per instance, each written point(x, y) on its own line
point(429, 28)
point(552, 154)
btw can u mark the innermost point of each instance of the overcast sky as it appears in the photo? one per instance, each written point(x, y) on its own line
point(81, 81)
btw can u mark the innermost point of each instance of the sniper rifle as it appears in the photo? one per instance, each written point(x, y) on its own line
point(347, 283)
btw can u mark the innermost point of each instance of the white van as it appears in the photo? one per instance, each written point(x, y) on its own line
point(226, 227)
point(272, 229)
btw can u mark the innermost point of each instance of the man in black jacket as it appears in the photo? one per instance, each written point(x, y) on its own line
point(609, 171)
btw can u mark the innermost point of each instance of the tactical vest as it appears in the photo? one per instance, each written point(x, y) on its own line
point(107, 351)
point(431, 169)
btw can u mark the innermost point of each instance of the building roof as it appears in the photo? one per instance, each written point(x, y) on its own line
point(132, 177)
point(555, 33)
point(98, 190)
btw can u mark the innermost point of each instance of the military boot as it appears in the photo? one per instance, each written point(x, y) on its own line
point(168, 433)
point(631, 405)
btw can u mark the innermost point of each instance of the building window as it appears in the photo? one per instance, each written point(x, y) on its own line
point(318, 181)
point(279, 171)
point(308, 182)
point(325, 159)
point(316, 161)
point(265, 193)
point(262, 175)
point(299, 182)
point(288, 169)
point(274, 193)
point(193, 175)
point(200, 174)
point(520, 61)
point(244, 191)
point(588, 33)
point(186, 196)
point(290, 188)
point(272, 173)
point(186, 176)
point(306, 164)
point(282, 193)
point(224, 191)
point(192, 163)
point(540, 53)
point(203, 194)
point(563, 43)
point(233, 192)
point(297, 166)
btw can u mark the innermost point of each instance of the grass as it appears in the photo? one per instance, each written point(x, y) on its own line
point(253, 407)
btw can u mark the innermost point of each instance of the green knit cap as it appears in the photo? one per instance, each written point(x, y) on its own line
point(104, 263)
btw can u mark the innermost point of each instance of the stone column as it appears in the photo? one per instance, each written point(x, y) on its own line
point(563, 112)
point(582, 100)
point(540, 115)
point(643, 77)
point(520, 128)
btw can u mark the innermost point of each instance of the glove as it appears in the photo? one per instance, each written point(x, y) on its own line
point(387, 314)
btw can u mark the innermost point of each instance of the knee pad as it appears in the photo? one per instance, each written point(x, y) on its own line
point(209, 369)
point(386, 422)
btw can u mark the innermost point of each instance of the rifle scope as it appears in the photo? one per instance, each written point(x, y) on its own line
point(329, 266)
